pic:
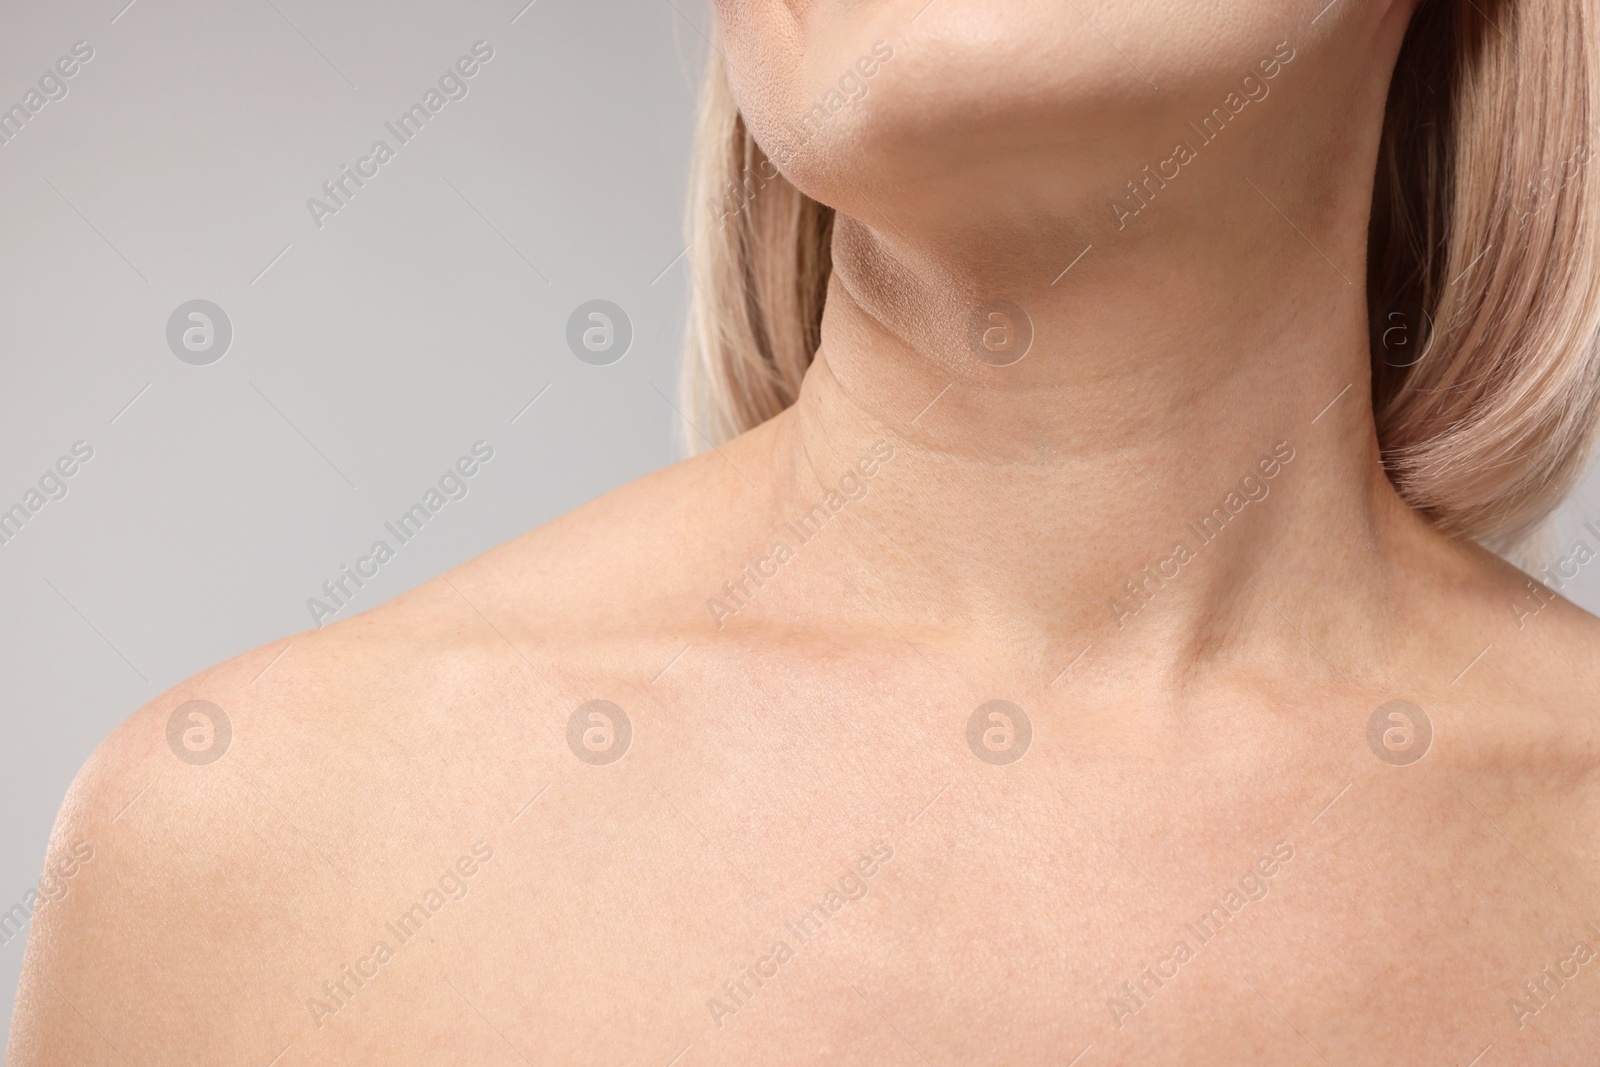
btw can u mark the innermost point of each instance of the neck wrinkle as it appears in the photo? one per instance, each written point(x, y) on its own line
point(1173, 487)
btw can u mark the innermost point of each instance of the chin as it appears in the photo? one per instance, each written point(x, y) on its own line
point(1022, 104)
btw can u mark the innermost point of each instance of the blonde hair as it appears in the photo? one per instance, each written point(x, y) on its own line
point(1483, 247)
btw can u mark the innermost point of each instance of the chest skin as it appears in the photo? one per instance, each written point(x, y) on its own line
point(793, 866)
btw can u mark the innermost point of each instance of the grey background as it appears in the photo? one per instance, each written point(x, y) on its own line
point(366, 358)
point(377, 349)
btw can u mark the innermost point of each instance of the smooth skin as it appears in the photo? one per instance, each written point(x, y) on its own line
point(805, 745)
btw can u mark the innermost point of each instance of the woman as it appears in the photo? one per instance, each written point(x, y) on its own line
point(1073, 647)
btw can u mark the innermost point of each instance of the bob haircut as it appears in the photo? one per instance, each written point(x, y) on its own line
point(1483, 243)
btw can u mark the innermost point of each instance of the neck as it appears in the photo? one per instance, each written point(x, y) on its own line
point(1185, 452)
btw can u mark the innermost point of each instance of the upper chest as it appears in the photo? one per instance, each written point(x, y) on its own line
point(802, 875)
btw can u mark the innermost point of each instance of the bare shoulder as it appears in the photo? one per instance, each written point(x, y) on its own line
point(1515, 672)
point(229, 841)
point(1534, 648)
